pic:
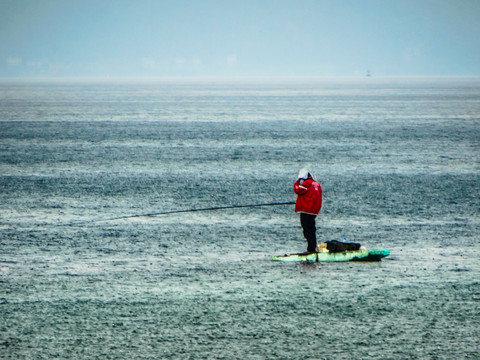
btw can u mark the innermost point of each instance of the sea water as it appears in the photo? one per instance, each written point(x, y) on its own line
point(398, 160)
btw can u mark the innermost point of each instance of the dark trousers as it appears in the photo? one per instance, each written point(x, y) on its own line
point(309, 230)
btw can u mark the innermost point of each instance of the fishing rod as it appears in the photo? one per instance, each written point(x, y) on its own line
point(187, 211)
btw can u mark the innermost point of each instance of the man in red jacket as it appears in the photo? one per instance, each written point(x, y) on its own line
point(309, 203)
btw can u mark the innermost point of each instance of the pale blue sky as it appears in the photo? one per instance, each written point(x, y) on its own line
point(147, 38)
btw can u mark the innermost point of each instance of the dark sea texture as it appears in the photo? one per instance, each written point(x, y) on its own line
point(399, 162)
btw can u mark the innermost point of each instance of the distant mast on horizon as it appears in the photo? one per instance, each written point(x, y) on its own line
point(369, 74)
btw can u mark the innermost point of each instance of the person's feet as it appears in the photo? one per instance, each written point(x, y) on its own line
point(308, 252)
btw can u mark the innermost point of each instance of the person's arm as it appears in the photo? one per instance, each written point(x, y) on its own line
point(298, 188)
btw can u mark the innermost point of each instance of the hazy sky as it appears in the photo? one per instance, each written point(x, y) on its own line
point(157, 38)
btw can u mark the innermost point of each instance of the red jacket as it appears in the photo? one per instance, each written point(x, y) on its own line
point(309, 198)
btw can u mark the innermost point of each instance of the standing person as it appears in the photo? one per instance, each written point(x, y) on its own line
point(308, 204)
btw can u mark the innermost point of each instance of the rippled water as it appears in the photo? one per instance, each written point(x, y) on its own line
point(399, 165)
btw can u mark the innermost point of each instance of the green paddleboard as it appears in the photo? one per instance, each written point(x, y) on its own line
point(352, 255)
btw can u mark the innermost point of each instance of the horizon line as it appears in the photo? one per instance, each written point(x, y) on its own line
point(260, 78)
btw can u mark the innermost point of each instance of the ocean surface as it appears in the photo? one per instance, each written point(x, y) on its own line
point(87, 272)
